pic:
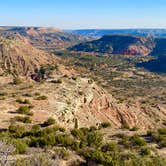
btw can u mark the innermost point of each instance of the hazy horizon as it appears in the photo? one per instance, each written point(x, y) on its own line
point(94, 14)
point(129, 28)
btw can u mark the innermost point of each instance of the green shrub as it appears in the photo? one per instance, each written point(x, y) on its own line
point(43, 141)
point(49, 122)
point(24, 110)
point(85, 130)
point(64, 140)
point(109, 147)
point(77, 133)
point(17, 81)
point(135, 128)
point(105, 124)
point(150, 132)
point(36, 128)
point(20, 146)
point(62, 129)
point(23, 119)
point(137, 141)
point(93, 128)
point(52, 129)
point(145, 152)
point(83, 144)
point(17, 130)
point(125, 140)
point(25, 101)
point(162, 131)
point(94, 139)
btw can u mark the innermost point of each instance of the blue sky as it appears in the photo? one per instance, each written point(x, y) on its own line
point(77, 14)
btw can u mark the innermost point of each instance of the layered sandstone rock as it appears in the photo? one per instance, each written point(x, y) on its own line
point(19, 57)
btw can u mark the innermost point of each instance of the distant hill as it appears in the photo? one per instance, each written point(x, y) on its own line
point(124, 44)
point(118, 44)
point(160, 47)
point(102, 32)
point(155, 65)
point(44, 38)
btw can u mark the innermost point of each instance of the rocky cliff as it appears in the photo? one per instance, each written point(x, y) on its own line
point(18, 57)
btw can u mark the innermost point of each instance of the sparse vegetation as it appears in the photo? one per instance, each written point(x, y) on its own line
point(24, 110)
point(25, 119)
point(49, 122)
point(17, 81)
point(25, 101)
point(86, 143)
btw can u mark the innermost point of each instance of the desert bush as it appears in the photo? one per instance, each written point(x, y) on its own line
point(36, 127)
point(105, 124)
point(77, 133)
point(145, 152)
point(62, 129)
point(24, 110)
point(137, 141)
point(159, 137)
point(85, 130)
point(94, 139)
point(125, 141)
point(20, 146)
point(25, 119)
point(17, 81)
point(162, 131)
point(17, 130)
point(25, 101)
point(43, 141)
point(83, 144)
point(49, 122)
point(94, 128)
point(65, 140)
point(135, 128)
point(109, 147)
point(150, 132)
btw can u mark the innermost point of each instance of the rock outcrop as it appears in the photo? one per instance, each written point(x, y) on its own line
point(84, 100)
